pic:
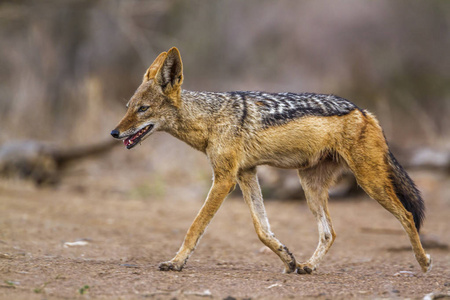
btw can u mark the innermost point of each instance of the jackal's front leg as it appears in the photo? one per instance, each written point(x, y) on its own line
point(220, 189)
point(248, 182)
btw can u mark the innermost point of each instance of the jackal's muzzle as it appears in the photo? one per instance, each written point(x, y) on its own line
point(132, 140)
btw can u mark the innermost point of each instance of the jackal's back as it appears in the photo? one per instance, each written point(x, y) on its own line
point(280, 108)
point(272, 109)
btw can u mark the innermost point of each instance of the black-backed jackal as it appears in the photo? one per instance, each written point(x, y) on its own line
point(319, 135)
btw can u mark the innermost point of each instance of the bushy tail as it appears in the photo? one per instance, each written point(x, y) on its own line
point(406, 191)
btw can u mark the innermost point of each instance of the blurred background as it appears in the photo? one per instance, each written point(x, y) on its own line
point(67, 69)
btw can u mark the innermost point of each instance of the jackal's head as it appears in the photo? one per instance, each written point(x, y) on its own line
point(154, 104)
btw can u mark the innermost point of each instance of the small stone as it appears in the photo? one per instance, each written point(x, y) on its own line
point(129, 265)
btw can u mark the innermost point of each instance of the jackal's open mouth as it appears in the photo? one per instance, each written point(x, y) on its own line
point(134, 139)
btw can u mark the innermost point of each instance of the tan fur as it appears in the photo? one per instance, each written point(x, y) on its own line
point(154, 67)
point(236, 143)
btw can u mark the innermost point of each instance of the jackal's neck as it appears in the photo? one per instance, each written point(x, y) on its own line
point(192, 120)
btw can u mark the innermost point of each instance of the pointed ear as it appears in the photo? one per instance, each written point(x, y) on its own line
point(170, 75)
point(154, 67)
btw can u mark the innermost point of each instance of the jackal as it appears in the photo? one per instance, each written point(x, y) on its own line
point(319, 135)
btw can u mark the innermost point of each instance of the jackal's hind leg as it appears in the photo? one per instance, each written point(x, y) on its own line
point(248, 182)
point(381, 189)
point(317, 203)
point(315, 182)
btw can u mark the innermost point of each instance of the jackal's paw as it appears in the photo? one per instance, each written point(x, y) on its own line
point(428, 265)
point(170, 266)
point(305, 268)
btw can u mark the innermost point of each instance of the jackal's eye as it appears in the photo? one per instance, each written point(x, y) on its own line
point(143, 108)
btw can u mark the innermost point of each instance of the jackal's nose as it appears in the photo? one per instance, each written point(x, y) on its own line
point(115, 133)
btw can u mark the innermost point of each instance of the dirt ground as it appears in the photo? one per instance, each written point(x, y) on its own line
point(127, 233)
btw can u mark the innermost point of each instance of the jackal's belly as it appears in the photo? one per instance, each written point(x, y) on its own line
point(293, 161)
point(284, 158)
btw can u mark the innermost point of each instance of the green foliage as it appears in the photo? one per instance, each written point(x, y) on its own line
point(10, 283)
point(83, 290)
point(155, 188)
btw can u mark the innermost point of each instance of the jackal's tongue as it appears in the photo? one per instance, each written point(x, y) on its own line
point(130, 140)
